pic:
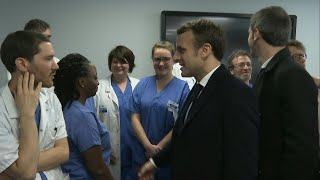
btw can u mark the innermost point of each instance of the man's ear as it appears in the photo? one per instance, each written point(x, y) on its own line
point(206, 50)
point(256, 34)
point(22, 64)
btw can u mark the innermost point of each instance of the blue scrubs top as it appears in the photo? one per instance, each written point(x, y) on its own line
point(90, 104)
point(85, 130)
point(155, 109)
point(126, 132)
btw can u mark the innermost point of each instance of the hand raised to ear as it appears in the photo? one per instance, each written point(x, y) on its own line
point(26, 100)
point(3, 176)
point(27, 95)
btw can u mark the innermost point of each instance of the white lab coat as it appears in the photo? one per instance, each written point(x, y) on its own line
point(107, 109)
point(51, 128)
point(177, 73)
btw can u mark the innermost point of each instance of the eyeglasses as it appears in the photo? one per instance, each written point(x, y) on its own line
point(243, 64)
point(299, 57)
point(163, 59)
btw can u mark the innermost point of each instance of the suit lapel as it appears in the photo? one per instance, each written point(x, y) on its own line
point(202, 101)
point(276, 59)
point(178, 126)
point(259, 82)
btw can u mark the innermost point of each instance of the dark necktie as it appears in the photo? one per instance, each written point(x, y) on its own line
point(197, 89)
point(194, 95)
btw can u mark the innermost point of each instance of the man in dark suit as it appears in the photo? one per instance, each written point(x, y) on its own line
point(215, 135)
point(287, 98)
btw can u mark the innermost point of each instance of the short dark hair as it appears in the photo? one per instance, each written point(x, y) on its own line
point(163, 45)
point(235, 54)
point(71, 67)
point(124, 55)
point(206, 31)
point(274, 25)
point(36, 25)
point(21, 44)
point(297, 44)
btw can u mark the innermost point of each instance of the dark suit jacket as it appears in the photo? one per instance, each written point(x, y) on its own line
point(287, 98)
point(220, 141)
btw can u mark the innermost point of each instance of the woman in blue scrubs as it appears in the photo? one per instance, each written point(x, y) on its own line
point(155, 103)
point(111, 100)
point(89, 141)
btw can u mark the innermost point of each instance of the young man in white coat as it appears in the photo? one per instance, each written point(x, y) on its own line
point(33, 141)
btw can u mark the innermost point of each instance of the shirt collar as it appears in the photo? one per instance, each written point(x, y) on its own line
point(206, 78)
point(264, 65)
point(78, 105)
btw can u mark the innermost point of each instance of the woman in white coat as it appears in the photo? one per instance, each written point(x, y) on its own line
point(111, 105)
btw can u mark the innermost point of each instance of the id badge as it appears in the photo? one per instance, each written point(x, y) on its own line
point(174, 108)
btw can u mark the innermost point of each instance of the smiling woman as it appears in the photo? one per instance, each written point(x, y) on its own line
point(154, 104)
point(162, 53)
point(111, 106)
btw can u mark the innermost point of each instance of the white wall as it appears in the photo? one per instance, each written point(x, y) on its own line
point(93, 28)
